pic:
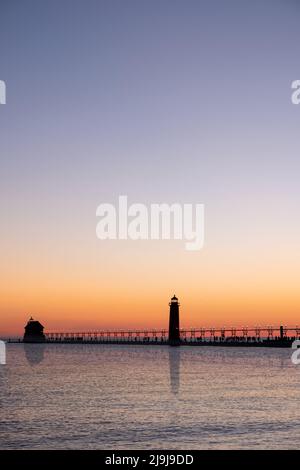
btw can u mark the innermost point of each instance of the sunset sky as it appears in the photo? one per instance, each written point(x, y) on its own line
point(162, 101)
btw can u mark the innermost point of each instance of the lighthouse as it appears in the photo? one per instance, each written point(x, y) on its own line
point(174, 333)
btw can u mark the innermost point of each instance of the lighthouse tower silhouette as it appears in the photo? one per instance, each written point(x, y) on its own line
point(174, 333)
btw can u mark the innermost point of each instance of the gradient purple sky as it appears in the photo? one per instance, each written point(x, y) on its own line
point(165, 101)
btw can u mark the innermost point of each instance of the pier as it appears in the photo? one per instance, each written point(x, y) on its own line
point(269, 336)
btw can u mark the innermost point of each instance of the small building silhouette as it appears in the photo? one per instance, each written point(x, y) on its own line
point(34, 332)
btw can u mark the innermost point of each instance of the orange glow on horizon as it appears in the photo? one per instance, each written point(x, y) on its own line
point(127, 286)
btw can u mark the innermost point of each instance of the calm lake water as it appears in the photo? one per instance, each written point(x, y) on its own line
point(148, 397)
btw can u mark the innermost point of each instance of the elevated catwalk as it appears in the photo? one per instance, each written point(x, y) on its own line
point(268, 336)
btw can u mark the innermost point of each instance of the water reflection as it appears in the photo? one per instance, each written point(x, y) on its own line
point(34, 353)
point(174, 365)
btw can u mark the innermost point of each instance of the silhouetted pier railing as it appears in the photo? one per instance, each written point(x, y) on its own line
point(192, 336)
